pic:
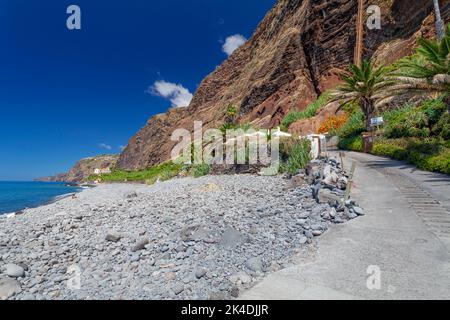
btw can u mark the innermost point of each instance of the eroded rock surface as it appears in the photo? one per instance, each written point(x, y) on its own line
point(293, 56)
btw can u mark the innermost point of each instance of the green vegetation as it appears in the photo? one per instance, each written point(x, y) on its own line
point(425, 120)
point(234, 126)
point(442, 128)
point(354, 143)
point(429, 154)
point(361, 85)
point(427, 71)
point(295, 154)
point(309, 112)
point(406, 122)
point(353, 127)
point(418, 134)
point(200, 170)
point(434, 109)
point(162, 172)
point(231, 114)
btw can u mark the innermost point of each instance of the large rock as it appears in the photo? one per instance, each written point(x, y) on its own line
point(140, 244)
point(255, 264)
point(8, 287)
point(113, 236)
point(231, 238)
point(14, 271)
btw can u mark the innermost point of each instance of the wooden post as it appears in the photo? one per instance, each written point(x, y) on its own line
point(359, 34)
point(350, 182)
point(341, 155)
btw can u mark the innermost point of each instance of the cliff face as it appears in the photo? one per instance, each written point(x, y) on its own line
point(60, 177)
point(294, 55)
point(83, 169)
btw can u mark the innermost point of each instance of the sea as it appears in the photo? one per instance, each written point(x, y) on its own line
point(16, 196)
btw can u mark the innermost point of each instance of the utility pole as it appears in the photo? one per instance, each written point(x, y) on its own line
point(439, 22)
point(359, 34)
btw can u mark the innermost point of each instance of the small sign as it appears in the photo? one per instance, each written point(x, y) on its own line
point(377, 121)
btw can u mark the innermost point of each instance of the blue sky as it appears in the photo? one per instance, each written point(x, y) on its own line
point(66, 95)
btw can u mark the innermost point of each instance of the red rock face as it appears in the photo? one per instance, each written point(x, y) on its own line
point(294, 55)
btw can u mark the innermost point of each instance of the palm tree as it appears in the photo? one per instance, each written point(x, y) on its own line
point(426, 72)
point(361, 84)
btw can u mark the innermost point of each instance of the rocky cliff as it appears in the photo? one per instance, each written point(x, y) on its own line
point(293, 56)
point(83, 169)
point(60, 177)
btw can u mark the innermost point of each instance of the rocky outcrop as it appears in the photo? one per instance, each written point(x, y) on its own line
point(83, 169)
point(60, 177)
point(294, 55)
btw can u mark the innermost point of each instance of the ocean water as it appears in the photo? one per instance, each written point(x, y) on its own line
point(16, 196)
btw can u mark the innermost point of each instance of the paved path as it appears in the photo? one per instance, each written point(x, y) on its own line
point(405, 234)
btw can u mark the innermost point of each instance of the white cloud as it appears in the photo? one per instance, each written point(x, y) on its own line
point(105, 146)
point(121, 147)
point(232, 43)
point(178, 95)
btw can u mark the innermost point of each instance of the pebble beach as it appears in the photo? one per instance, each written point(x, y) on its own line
point(207, 238)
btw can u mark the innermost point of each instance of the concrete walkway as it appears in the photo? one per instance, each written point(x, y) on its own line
point(405, 235)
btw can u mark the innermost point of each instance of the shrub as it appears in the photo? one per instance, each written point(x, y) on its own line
point(150, 175)
point(233, 126)
point(286, 146)
point(428, 154)
point(333, 123)
point(354, 143)
point(438, 163)
point(433, 109)
point(351, 108)
point(227, 126)
point(390, 148)
point(231, 113)
point(200, 170)
point(295, 154)
point(310, 111)
point(353, 127)
point(442, 128)
point(406, 122)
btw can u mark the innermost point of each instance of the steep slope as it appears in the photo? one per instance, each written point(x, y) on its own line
point(293, 57)
point(60, 177)
point(83, 169)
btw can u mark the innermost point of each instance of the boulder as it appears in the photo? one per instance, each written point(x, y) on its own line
point(14, 271)
point(113, 236)
point(8, 288)
point(255, 264)
point(200, 273)
point(231, 238)
point(140, 244)
point(358, 211)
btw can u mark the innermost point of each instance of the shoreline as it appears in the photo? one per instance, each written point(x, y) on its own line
point(207, 238)
point(48, 202)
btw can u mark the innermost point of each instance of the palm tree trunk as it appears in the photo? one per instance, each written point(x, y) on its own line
point(439, 23)
point(368, 109)
point(447, 101)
